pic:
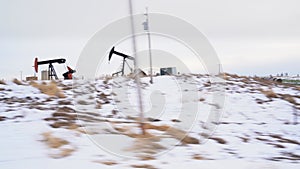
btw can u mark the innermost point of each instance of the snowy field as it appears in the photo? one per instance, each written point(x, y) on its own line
point(95, 124)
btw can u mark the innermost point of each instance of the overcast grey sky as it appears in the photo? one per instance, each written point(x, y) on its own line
point(250, 37)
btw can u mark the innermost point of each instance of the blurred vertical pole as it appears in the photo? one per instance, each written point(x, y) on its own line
point(137, 76)
point(146, 28)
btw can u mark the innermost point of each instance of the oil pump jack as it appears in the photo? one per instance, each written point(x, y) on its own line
point(112, 51)
point(51, 70)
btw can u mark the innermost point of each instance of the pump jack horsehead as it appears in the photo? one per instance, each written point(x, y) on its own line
point(51, 70)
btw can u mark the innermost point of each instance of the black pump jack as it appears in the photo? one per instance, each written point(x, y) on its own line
point(51, 69)
point(112, 51)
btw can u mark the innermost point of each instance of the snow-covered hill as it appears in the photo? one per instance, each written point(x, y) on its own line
point(191, 121)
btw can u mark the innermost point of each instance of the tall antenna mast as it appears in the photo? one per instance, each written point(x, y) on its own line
point(147, 28)
point(137, 77)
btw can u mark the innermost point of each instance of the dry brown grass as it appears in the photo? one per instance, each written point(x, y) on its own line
point(50, 89)
point(225, 77)
point(245, 80)
point(143, 166)
point(176, 133)
point(126, 131)
point(198, 157)
point(16, 81)
point(160, 128)
point(289, 98)
point(182, 136)
point(63, 153)
point(106, 162)
point(57, 143)
point(145, 147)
point(64, 124)
point(269, 93)
point(231, 75)
point(52, 141)
point(147, 157)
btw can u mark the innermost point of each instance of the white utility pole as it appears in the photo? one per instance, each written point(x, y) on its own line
point(137, 79)
point(146, 28)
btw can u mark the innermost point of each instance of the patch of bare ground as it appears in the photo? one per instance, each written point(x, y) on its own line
point(67, 88)
point(201, 99)
point(49, 89)
point(277, 145)
point(198, 157)
point(16, 81)
point(263, 139)
point(64, 117)
point(287, 156)
point(57, 143)
point(2, 118)
point(260, 101)
point(207, 84)
point(175, 120)
point(64, 102)
point(281, 139)
point(83, 102)
point(109, 162)
point(246, 80)
point(14, 99)
point(292, 156)
point(147, 166)
point(66, 125)
point(219, 140)
point(2, 82)
point(104, 98)
point(90, 118)
point(244, 139)
point(288, 98)
point(65, 109)
point(264, 82)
